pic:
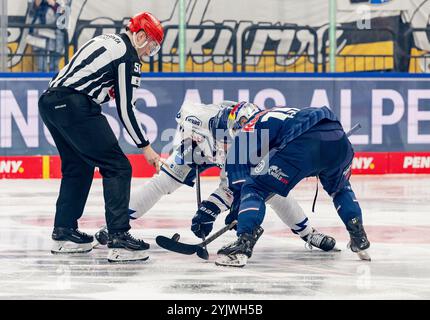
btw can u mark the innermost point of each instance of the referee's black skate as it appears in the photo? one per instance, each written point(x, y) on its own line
point(319, 240)
point(358, 242)
point(237, 253)
point(69, 240)
point(124, 247)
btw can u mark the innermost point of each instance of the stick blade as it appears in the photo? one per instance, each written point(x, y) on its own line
point(202, 253)
point(176, 246)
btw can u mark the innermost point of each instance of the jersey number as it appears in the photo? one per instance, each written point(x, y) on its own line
point(137, 67)
point(278, 113)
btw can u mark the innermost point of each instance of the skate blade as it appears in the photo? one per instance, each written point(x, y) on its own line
point(124, 255)
point(69, 247)
point(311, 248)
point(364, 255)
point(238, 260)
point(97, 245)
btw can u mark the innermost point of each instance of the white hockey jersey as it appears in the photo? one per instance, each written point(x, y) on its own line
point(196, 121)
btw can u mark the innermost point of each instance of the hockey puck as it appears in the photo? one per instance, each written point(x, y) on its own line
point(102, 237)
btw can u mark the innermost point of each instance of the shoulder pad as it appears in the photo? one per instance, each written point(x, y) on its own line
point(196, 115)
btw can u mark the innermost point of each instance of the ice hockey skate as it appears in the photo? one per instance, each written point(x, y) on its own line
point(69, 240)
point(237, 253)
point(359, 242)
point(320, 240)
point(124, 248)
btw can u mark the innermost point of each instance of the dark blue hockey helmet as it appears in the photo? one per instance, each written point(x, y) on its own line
point(220, 122)
point(232, 118)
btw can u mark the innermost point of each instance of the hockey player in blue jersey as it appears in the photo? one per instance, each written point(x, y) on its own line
point(299, 144)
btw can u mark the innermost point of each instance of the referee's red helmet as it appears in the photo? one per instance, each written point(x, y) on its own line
point(147, 22)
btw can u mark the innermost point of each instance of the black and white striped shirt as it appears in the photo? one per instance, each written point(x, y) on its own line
point(105, 67)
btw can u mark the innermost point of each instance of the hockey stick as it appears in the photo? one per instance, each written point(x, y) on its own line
point(202, 254)
point(177, 236)
point(353, 130)
point(198, 193)
point(184, 248)
point(173, 243)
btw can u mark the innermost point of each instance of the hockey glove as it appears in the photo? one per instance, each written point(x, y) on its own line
point(204, 218)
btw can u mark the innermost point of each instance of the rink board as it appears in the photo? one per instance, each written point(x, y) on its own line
point(393, 110)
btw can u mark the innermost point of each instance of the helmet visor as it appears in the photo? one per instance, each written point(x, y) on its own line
point(152, 47)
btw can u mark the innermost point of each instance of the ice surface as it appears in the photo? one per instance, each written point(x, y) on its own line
point(396, 215)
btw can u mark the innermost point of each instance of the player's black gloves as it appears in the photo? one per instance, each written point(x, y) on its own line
point(204, 218)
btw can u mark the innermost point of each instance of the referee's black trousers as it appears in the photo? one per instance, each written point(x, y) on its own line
point(85, 140)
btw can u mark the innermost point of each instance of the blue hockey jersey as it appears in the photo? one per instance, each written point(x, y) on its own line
point(268, 131)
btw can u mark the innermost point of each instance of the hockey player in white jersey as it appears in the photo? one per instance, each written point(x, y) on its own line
point(197, 124)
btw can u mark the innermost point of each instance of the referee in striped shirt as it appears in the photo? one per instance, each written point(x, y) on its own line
point(106, 67)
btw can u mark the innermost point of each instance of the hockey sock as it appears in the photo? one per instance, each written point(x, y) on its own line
point(346, 204)
point(291, 213)
point(143, 198)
